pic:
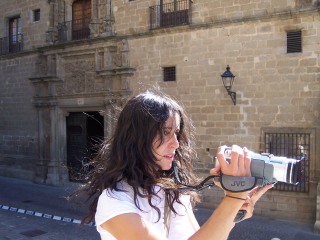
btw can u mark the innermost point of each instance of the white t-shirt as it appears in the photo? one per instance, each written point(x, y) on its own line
point(112, 204)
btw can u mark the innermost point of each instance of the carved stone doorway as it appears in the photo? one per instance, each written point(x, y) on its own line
point(85, 132)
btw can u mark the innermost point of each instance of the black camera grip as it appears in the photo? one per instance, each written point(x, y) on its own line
point(237, 183)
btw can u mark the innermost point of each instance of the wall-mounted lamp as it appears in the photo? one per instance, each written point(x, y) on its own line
point(228, 79)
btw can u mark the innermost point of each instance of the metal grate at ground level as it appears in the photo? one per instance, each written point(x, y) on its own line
point(33, 233)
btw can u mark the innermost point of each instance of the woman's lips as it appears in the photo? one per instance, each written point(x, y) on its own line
point(169, 156)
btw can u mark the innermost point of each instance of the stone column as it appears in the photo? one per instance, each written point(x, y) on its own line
point(108, 22)
point(113, 106)
point(125, 53)
point(41, 165)
point(53, 166)
point(51, 65)
point(317, 223)
point(61, 146)
point(94, 24)
point(108, 54)
point(109, 118)
point(51, 15)
point(50, 31)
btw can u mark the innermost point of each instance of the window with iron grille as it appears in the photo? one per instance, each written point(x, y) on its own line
point(169, 74)
point(294, 42)
point(36, 15)
point(81, 17)
point(291, 144)
point(170, 13)
point(15, 35)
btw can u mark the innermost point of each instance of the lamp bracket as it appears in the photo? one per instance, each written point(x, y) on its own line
point(233, 96)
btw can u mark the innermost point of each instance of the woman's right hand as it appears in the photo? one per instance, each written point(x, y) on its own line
point(239, 165)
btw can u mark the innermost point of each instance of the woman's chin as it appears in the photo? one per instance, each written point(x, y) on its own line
point(167, 166)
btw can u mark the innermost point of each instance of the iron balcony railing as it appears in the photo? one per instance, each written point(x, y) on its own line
point(172, 14)
point(74, 30)
point(11, 44)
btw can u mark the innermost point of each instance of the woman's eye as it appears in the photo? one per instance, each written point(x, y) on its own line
point(166, 132)
point(169, 132)
point(178, 133)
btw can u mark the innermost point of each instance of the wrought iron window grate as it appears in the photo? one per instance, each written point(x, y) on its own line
point(11, 44)
point(175, 13)
point(291, 145)
point(36, 15)
point(169, 74)
point(294, 42)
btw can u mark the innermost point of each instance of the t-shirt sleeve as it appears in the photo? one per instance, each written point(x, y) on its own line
point(112, 204)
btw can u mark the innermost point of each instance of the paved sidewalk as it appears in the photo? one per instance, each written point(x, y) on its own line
point(17, 226)
point(41, 212)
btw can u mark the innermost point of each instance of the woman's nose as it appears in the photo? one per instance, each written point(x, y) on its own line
point(174, 141)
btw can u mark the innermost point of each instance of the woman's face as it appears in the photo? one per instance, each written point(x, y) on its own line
point(165, 151)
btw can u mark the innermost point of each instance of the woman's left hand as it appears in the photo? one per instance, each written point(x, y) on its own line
point(254, 195)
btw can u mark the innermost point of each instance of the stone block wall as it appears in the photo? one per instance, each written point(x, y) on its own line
point(132, 17)
point(18, 118)
point(34, 33)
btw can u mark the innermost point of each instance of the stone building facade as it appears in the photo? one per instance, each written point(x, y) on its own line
point(67, 66)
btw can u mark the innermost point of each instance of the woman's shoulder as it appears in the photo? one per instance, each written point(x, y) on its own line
point(125, 194)
point(123, 188)
point(114, 202)
point(123, 191)
point(111, 201)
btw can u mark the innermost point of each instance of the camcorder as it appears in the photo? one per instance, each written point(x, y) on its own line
point(265, 169)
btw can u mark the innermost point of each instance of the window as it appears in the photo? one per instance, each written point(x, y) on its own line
point(15, 35)
point(294, 42)
point(170, 14)
point(81, 17)
point(291, 144)
point(169, 74)
point(36, 15)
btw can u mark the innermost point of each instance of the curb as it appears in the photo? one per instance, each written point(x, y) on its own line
point(42, 215)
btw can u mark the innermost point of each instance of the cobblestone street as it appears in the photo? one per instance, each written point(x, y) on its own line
point(40, 212)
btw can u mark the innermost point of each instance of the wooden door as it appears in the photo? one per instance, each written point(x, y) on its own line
point(81, 17)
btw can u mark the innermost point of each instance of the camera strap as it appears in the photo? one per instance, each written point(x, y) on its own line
point(228, 183)
point(237, 183)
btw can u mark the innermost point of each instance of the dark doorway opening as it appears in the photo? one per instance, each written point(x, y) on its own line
point(84, 134)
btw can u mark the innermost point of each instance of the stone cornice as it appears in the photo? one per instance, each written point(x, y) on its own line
point(37, 79)
point(116, 71)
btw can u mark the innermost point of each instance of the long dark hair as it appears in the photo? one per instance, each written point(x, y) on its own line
point(128, 156)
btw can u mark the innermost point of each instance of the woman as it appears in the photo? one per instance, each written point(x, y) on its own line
point(135, 195)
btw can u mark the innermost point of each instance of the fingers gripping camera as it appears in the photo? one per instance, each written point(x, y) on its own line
point(265, 169)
